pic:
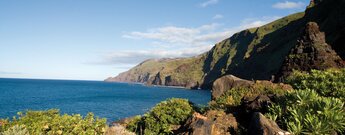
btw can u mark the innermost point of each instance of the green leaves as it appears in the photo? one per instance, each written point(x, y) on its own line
point(306, 112)
point(329, 83)
point(51, 122)
point(162, 117)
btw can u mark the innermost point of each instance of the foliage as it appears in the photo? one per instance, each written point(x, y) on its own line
point(51, 122)
point(17, 130)
point(161, 118)
point(233, 97)
point(329, 83)
point(306, 112)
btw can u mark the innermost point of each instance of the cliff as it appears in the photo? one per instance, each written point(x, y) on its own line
point(256, 53)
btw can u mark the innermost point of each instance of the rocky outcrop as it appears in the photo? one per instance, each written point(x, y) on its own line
point(226, 83)
point(213, 123)
point(260, 125)
point(311, 52)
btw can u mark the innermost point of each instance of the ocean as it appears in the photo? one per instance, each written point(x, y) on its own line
point(113, 101)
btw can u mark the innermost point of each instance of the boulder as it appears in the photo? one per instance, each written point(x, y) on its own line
point(260, 125)
point(227, 82)
point(258, 104)
point(213, 123)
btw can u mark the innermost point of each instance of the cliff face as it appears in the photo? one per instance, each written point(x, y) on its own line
point(256, 53)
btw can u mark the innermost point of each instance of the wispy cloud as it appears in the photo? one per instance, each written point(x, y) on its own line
point(178, 41)
point(208, 3)
point(179, 35)
point(288, 5)
point(218, 16)
point(135, 57)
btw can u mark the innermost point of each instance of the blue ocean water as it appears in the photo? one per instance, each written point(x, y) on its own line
point(108, 100)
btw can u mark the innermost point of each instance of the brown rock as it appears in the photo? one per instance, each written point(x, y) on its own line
point(311, 52)
point(260, 125)
point(226, 83)
point(213, 123)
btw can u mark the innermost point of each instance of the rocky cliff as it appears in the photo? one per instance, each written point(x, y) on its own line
point(256, 53)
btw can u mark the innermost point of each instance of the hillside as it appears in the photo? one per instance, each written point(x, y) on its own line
point(256, 53)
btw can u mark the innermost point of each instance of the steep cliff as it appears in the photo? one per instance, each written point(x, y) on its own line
point(256, 53)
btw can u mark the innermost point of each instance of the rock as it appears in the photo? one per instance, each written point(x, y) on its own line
point(311, 52)
point(118, 130)
point(258, 104)
point(260, 125)
point(213, 123)
point(226, 83)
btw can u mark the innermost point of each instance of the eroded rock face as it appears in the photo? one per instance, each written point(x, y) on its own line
point(311, 52)
point(226, 83)
point(260, 125)
point(213, 123)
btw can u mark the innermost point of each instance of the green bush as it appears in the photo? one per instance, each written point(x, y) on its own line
point(16, 130)
point(51, 122)
point(329, 83)
point(163, 117)
point(305, 112)
point(233, 97)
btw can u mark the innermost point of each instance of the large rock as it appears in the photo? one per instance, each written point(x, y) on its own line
point(260, 125)
point(213, 123)
point(226, 83)
point(311, 52)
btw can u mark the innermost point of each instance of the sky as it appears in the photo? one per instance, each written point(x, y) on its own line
point(96, 39)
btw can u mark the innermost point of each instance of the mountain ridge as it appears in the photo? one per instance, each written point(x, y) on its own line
point(256, 53)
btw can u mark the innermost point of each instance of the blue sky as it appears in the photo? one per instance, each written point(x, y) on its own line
point(95, 39)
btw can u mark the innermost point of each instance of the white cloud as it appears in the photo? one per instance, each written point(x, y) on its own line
point(288, 5)
point(209, 2)
point(176, 41)
point(135, 57)
point(254, 22)
point(218, 16)
point(177, 35)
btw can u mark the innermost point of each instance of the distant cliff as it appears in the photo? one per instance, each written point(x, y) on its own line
point(256, 53)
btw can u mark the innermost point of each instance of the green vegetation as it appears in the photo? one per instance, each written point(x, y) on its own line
point(329, 83)
point(162, 118)
point(305, 112)
point(317, 107)
point(51, 122)
point(233, 97)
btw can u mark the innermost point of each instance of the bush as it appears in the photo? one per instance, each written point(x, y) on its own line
point(329, 83)
point(161, 118)
point(51, 122)
point(17, 130)
point(305, 112)
point(233, 97)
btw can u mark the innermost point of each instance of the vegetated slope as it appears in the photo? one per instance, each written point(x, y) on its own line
point(185, 72)
point(256, 53)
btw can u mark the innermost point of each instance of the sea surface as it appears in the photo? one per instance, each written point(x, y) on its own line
point(107, 100)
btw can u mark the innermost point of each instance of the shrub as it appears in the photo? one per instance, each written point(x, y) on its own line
point(161, 118)
point(233, 97)
point(329, 83)
point(305, 112)
point(51, 122)
point(17, 130)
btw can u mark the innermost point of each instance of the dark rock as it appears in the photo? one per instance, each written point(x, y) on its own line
point(260, 125)
point(258, 104)
point(213, 123)
point(311, 52)
point(226, 83)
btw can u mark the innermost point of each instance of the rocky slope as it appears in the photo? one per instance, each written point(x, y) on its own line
point(256, 53)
